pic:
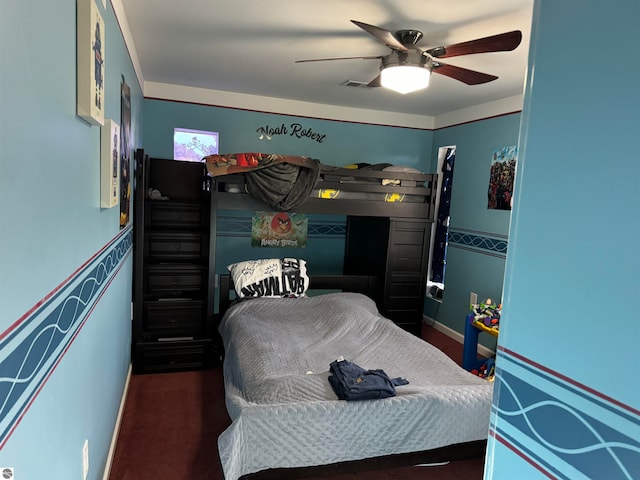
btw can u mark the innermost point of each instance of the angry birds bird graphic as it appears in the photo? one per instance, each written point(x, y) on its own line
point(281, 223)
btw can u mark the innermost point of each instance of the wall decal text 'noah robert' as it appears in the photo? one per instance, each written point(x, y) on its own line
point(294, 130)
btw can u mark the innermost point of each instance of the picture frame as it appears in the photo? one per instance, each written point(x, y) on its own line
point(279, 230)
point(90, 68)
point(502, 178)
point(125, 153)
point(109, 164)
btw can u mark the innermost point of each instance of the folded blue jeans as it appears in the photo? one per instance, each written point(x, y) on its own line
point(352, 382)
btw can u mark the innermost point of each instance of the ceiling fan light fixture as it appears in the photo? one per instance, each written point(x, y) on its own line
point(405, 78)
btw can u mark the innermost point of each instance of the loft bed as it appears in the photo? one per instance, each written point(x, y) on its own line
point(365, 190)
point(389, 210)
point(298, 428)
point(288, 423)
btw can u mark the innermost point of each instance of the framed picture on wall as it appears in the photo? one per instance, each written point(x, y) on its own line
point(279, 229)
point(109, 164)
point(125, 153)
point(501, 178)
point(90, 62)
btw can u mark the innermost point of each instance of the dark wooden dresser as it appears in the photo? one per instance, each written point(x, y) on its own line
point(395, 250)
point(173, 326)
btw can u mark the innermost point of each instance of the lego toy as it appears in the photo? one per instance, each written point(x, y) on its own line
point(486, 370)
point(487, 313)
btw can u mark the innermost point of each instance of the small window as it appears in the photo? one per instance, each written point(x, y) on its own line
point(192, 145)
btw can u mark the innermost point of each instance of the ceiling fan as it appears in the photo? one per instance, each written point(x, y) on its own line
point(408, 67)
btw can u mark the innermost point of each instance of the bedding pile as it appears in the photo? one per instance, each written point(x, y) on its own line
point(283, 182)
point(284, 411)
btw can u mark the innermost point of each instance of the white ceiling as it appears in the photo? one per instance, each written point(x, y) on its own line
point(249, 46)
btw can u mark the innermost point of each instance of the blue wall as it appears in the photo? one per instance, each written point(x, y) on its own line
point(344, 143)
point(65, 280)
point(567, 392)
point(478, 236)
point(567, 399)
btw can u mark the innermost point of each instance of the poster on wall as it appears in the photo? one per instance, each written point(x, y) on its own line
point(109, 164)
point(279, 229)
point(90, 63)
point(125, 153)
point(501, 178)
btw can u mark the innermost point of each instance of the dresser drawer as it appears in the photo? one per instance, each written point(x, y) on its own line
point(414, 327)
point(408, 233)
point(406, 303)
point(176, 246)
point(407, 247)
point(172, 356)
point(408, 318)
point(166, 214)
point(174, 279)
point(399, 279)
point(407, 251)
point(406, 264)
point(173, 318)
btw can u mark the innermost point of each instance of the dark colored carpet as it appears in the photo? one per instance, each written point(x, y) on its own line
point(171, 423)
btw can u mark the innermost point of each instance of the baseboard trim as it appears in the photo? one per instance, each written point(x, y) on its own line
point(116, 429)
point(449, 332)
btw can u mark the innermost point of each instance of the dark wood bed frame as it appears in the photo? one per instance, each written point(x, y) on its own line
point(450, 453)
point(389, 240)
point(365, 285)
point(358, 181)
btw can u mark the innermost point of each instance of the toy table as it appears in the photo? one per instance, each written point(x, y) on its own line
point(472, 331)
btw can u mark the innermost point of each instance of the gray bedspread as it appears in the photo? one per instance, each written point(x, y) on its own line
point(284, 411)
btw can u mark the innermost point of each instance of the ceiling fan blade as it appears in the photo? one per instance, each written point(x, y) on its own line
point(503, 42)
point(470, 77)
point(378, 57)
point(385, 36)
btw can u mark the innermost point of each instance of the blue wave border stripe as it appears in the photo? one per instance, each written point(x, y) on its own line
point(480, 242)
point(238, 226)
point(576, 431)
point(30, 352)
point(538, 462)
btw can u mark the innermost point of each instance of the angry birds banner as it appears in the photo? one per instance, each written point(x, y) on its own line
point(279, 229)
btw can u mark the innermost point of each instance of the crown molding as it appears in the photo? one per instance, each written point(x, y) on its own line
point(283, 106)
point(496, 108)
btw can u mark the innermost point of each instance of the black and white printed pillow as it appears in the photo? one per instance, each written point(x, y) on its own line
point(270, 277)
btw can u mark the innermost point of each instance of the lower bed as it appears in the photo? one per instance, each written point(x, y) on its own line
point(284, 412)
